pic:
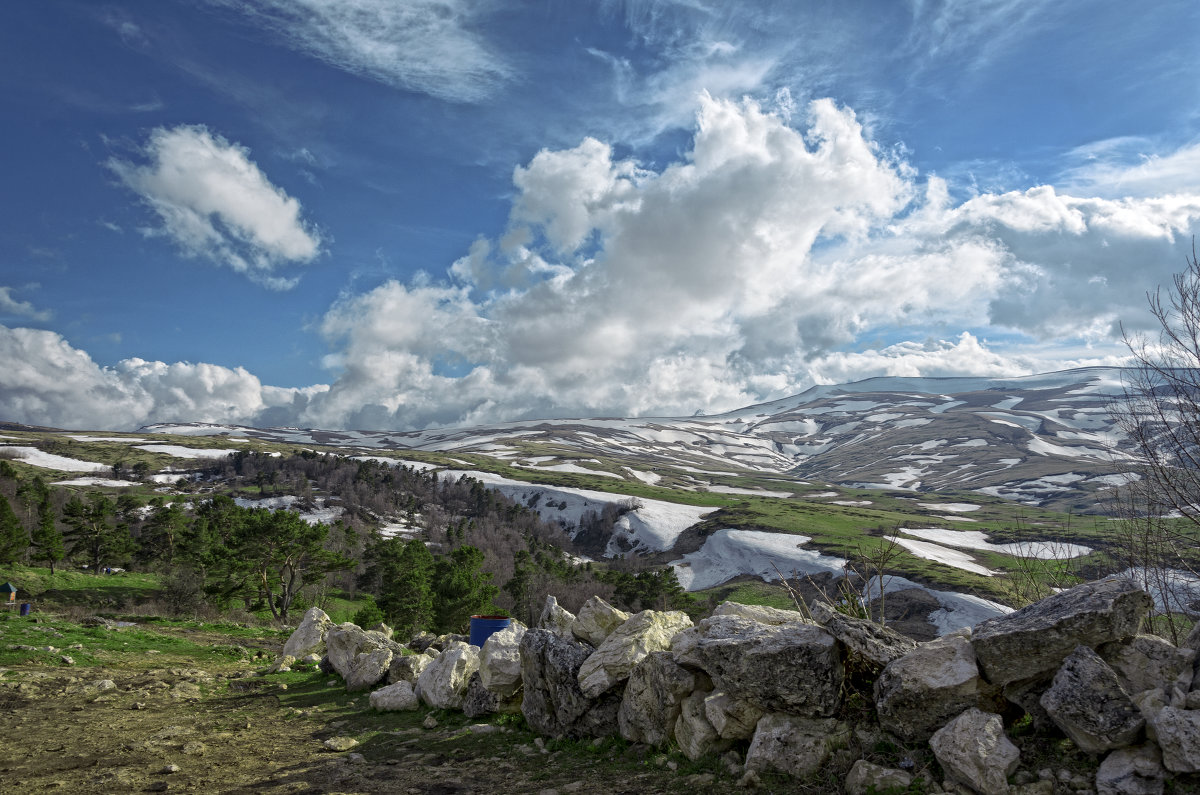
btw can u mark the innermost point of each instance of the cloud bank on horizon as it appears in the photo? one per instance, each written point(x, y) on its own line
point(779, 234)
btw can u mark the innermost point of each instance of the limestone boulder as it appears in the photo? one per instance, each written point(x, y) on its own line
point(1087, 702)
point(1037, 638)
point(973, 750)
point(556, 619)
point(397, 697)
point(596, 621)
point(443, 683)
point(309, 637)
point(794, 745)
point(918, 693)
point(866, 777)
point(553, 703)
point(873, 642)
point(1147, 662)
point(1192, 641)
point(407, 667)
point(695, 736)
point(360, 657)
point(794, 667)
point(478, 700)
point(733, 718)
point(1177, 733)
point(500, 662)
point(651, 703)
point(763, 614)
point(1132, 771)
point(648, 631)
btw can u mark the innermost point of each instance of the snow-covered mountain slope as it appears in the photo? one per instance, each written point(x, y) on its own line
point(1045, 440)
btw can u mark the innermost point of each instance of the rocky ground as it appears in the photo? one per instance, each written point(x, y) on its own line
point(140, 727)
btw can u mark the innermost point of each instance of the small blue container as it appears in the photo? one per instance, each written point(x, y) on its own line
point(25, 608)
point(483, 627)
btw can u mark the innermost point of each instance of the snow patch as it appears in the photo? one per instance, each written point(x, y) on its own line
point(40, 458)
point(731, 553)
point(180, 451)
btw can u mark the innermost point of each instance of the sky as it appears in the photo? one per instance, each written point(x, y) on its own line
point(404, 214)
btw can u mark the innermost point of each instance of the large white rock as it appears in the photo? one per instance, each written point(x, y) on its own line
point(557, 619)
point(309, 637)
point(652, 700)
point(1088, 703)
point(552, 703)
point(407, 667)
point(974, 751)
point(1147, 662)
point(443, 683)
point(500, 662)
point(772, 616)
point(694, 734)
point(1132, 771)
point(918, 693)
point(360, 657)
point(794, 667)
point(646, 632)
point(1177, 732)
point(733, 718)
point(873, 642)
point(596, 621)
point(794, 745)
point(865, 777)
point(397, 697)
point(1036, 639)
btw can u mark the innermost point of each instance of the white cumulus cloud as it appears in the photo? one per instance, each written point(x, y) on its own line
point(213, 201)
point(23, 309)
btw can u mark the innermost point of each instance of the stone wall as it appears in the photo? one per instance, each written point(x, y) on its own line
point(1073, 663)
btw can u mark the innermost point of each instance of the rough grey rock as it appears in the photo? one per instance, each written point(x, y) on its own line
point(771, 616)
point(973, 750)
point(309, 637)
point(395, 697)
point(443, 683)
point(733, 718)
point(867, 777)
point(1027, 694)
point(478, 700)
point(918, 693)
point(553, 703)
point(1147, 662)
point(648, 631)
point(1087, 702)
point(1177, 732)
point(596, 621)
point(500, 662)
point(694, 734)
point(794, 745)
point(556, 619)
point(407, 667)
point(383, 629)
point(1132, 771)
point(651, 703)
point(873, 642)
point(794, 667)
point(1037, 638)
point(421, 641)
point(360, 657)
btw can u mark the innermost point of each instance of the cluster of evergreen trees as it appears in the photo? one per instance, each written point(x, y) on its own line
point(211, 550)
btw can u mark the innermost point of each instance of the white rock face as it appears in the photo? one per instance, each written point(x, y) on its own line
point(309, 637)
point(652, 700)
point(1088, 703)
point(733, 718)
point(443, 684)
point(1177, 732)
point(556, 619)
point(867, 777)
point(771, 616)
point(695, 735)
point(1147, 662)
point(500, 661)
point(407, 667)
point(361, 658)
point(794, 745)
point(918, 693)
point(648, 631)
point(596, 621)
point(1132, 771)
point(974, 751)
point(397, 697)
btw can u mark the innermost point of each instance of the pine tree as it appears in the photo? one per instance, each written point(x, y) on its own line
point(461, 589)
point(47, 540)
point(13, 538)
point(406, 592)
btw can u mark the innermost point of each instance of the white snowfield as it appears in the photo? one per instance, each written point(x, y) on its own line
point(179, 451)
point(39, 458)
point(974, 539)
point(940, 554)
point(730, 553)
point(952, 507)
point(108, 482)
point(958, 610)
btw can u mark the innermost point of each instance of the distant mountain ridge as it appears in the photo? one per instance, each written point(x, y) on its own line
point(1047, 440)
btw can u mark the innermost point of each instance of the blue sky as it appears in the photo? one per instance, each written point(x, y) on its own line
point(383, 214)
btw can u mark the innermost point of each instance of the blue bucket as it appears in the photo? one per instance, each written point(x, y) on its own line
point(483, 627)
point(25, 608)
